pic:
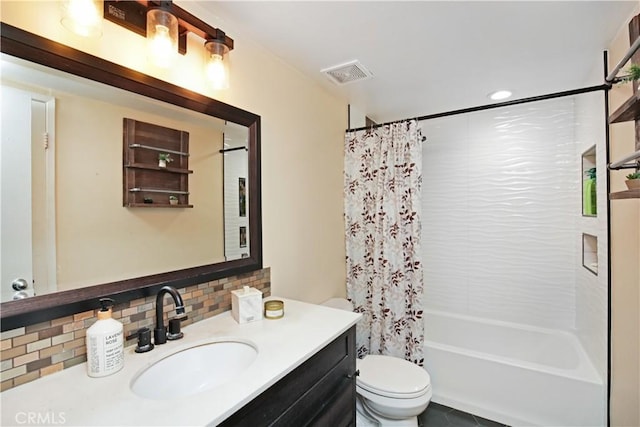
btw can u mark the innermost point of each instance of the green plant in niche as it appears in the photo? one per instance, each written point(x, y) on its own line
point(591, 173)
point(635, 175)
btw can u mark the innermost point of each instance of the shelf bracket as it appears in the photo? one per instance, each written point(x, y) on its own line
point(624, 163)
point(161, 150)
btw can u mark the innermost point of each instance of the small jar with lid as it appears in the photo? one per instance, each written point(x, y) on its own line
point(273, 309)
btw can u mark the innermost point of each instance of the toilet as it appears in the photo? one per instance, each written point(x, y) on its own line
point(390, 391)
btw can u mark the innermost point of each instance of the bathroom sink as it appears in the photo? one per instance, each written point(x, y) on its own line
point(194, 370)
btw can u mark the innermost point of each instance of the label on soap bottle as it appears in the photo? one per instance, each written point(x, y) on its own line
point(105, 353)
point(105, 343)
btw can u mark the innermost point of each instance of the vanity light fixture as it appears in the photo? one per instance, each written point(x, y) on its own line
point(500, 95)
point(83, 17)
point(162, 35)
point(155, 21)
point(217, 63)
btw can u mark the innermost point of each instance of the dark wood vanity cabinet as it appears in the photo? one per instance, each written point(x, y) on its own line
point(320, 392)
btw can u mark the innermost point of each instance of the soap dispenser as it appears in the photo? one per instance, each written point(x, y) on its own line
point(105, 343)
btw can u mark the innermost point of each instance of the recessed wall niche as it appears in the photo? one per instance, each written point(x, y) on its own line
point(589, 197)
point(590, 253)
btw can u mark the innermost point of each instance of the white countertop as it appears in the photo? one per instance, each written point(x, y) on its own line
point(71, 398)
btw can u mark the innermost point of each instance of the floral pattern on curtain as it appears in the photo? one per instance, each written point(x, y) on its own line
point(382, 186)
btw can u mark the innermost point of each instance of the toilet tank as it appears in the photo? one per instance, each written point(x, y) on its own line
point(339, 303)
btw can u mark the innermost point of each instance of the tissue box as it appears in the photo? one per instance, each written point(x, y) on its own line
point(246, 305)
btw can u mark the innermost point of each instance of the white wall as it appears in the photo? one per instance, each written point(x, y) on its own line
point(501, 202)
point(235, 167)
point(592, 290)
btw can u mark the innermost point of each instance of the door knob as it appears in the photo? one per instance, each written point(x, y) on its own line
point(20, 295)
point(19, 285)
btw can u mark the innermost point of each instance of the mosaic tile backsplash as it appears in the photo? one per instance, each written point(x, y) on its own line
point(34, 351)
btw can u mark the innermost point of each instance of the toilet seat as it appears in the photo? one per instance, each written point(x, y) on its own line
point(407, 380)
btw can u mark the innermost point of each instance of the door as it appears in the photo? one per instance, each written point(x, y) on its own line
point(25, 243)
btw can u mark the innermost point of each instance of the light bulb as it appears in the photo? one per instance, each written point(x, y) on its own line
point(83, 17)
point(162, 37)
point(217, 71)
point(160, 47)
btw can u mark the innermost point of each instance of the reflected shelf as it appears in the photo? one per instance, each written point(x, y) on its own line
point(157, 168)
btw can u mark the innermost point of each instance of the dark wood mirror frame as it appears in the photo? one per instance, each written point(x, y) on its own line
point(33, 48)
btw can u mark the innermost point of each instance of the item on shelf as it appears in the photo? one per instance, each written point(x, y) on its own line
point(633, 74)
point(589, 193)
point(147, 200)
point(633, 181)
point(173, 200)
point(164, 159)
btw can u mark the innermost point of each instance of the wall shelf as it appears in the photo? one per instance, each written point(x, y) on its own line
point(158, 168)
point(158, 205)
point(145, 183)
point(589, 195)
point(627, 112)
point(626, 194)
point(156, 190)
point(590, 253)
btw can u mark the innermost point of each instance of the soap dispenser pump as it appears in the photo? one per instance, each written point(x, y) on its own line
point(105, 343)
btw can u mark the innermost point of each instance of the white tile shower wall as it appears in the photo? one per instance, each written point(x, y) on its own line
point(235, 167)
point(501, 200)
point(591, 290)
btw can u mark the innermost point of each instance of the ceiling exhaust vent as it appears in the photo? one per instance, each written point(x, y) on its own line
point(347, 73)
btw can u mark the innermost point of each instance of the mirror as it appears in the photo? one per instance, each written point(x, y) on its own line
point(218, 237)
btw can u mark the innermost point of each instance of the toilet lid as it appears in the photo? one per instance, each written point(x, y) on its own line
point(392, 376)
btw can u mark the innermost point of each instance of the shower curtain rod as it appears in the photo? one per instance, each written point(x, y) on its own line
point(588, 89)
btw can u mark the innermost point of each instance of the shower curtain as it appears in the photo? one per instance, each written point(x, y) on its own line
point(383, 178)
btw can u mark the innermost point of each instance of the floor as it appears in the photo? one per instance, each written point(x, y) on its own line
point(442, 416)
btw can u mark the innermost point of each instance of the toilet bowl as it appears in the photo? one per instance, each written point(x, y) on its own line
point(391, 392)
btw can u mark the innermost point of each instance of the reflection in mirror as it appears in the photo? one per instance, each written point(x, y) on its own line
point(63, 223)
point(17, 313)
point(236, 199)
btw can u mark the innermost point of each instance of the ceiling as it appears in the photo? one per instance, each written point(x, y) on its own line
point(428, 57)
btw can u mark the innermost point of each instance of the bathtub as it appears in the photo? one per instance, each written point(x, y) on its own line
point(514, 374)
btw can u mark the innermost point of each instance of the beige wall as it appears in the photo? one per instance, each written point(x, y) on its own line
point(302, 134)
point(625, 264)
point(136, 241)
point(98, 240)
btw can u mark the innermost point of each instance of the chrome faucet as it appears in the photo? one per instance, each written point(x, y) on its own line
point(160, 331)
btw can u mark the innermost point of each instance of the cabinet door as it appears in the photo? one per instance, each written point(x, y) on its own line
point(340, 410)
point(322, 388)
point(329, 402)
